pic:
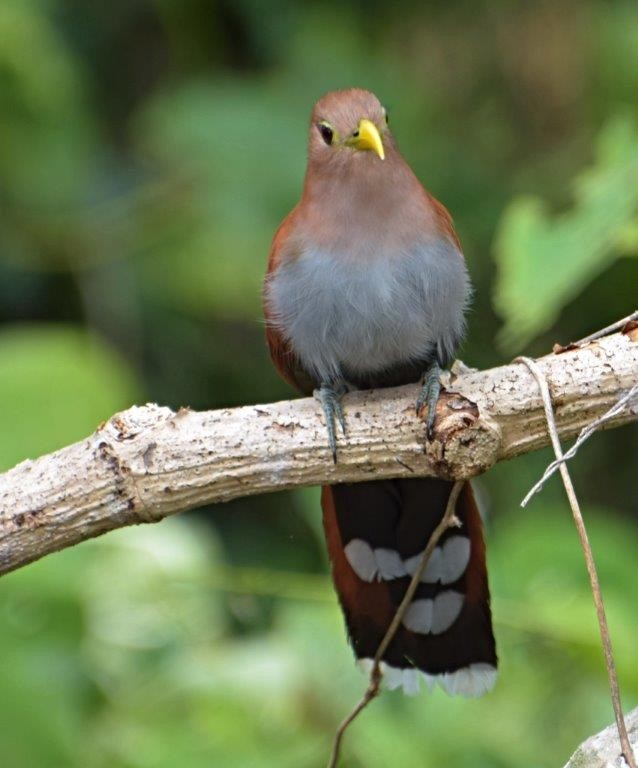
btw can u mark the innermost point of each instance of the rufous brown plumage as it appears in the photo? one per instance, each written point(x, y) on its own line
point(367, 287)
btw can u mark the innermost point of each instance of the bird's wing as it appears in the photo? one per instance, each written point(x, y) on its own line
point(284, 358)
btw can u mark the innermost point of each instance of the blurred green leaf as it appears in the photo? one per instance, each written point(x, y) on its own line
point(224, 217)
point(546, 261)
point(56, 384)
point(139, 661)
point(148, 151)
point(627, 242)
point(36, 90)
point(47, 138)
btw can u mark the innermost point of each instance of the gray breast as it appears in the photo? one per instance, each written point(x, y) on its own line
point(340, 313)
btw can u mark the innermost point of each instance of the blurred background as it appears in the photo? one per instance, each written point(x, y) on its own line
point(148, 150)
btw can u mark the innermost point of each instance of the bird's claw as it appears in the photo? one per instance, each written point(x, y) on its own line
point(329, 395)
point(429, 396)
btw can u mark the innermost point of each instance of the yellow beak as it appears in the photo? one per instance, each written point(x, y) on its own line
point(367, 137)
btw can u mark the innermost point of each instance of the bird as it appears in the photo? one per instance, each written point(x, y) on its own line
point(366, 287)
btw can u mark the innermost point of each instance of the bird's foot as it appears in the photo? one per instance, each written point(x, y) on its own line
point(329, 395)
point(429, 396)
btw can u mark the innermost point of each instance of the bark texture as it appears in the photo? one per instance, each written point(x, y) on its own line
point(603, 749)
point(149, 462)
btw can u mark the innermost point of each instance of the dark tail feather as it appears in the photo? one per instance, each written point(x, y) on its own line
point(376, 532)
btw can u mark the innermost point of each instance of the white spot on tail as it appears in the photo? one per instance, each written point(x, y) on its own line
point(456, 556)
point(361, 557)
point(418, 616)
point(472, 681)
point(434, 616)
point(395, 677)
point(447, 607)
point(411, 679)
point(432, 569)
point(370, 564)
point(447, 563)
point(389, 563)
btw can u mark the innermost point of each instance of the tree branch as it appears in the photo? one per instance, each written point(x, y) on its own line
point(148, 462)
point(590, 562)
point(602, 749)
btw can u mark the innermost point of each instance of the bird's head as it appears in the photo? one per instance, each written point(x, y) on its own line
point(356, 180)
point(346, 125)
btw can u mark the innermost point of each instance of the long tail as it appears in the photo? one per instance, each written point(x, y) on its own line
point(376, 532)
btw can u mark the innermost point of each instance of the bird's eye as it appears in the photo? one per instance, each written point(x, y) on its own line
point(386, 116)
point(327, 134)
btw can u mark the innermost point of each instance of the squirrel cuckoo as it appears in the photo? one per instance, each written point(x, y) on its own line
point(367, 287)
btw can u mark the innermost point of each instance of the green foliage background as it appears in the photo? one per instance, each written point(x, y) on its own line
point(148, 150)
